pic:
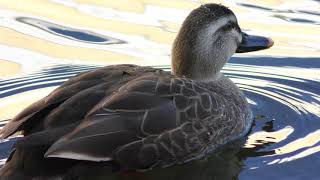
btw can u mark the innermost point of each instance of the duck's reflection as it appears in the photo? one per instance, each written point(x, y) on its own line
point(223, 164)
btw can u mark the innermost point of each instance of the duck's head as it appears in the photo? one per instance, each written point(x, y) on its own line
point(209, 36)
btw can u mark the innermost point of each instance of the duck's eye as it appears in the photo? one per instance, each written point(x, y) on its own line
point(231, 25)
point(228, 26)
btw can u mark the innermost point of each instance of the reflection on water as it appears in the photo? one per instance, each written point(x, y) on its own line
point(285, 14)
point(223, 165)
point(70, 33)
point(43, 43)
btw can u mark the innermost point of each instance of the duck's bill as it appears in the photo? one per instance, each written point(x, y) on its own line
point(253, 43)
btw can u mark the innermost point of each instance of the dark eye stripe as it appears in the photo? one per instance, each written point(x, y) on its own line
point(230, 25)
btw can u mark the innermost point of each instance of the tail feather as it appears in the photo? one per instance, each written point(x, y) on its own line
point(30, 165)
point(12, 170)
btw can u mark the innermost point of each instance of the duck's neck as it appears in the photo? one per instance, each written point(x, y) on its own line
point(202, 62)
point(199, 70)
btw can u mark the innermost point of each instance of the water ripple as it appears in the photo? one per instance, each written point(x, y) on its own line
point(285, 109)
point(283, 91)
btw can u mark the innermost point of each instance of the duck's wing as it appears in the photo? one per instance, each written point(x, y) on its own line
point(125, 125)
point(83, 84)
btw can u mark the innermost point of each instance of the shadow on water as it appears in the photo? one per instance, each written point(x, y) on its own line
point(285, 135)
point(224, 164)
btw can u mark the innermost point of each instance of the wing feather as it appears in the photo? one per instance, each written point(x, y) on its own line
point(95, 139)
point(35, 114)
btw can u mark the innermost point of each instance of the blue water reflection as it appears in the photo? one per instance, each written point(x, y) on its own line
point(68, 32)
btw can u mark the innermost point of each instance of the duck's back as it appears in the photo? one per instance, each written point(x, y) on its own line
point(136, 117)
point(79, 93)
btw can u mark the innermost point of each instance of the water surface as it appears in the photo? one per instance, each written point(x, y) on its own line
point(43, 43)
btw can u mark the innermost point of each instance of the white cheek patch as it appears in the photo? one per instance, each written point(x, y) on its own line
point(208, 35)
point(213, 48)
point(236, 34)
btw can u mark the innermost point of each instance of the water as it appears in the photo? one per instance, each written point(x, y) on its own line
point(43, 43)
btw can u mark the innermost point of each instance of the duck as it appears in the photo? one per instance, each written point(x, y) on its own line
point(137, 117)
